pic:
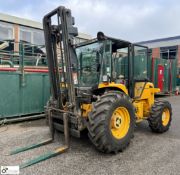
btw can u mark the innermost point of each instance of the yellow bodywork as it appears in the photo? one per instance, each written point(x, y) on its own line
point(86, 108)
point(121, 87)
point(143, 100)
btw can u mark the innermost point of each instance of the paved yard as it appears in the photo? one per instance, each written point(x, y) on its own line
point(148, 153)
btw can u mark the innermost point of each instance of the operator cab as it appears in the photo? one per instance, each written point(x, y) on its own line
point(106, 60)
point(97, 59)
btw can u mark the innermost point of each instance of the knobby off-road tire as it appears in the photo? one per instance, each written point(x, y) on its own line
point(111, 122)
point(160, 116)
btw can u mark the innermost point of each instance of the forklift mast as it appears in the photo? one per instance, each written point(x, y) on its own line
point(61, 55)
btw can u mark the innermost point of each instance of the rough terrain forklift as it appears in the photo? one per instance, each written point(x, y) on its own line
point(100, 85)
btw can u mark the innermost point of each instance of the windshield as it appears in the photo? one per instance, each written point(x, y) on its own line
point(91, 66)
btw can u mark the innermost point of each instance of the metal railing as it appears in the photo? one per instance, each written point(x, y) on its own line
point(20, 54)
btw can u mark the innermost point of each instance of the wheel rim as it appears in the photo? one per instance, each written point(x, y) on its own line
point(165, 117)
point(120, 122)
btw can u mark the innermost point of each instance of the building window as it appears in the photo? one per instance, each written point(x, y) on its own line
point(168, 52)
point(6, 31)
point(25, 36)
point(33, 36)
point(38, 37)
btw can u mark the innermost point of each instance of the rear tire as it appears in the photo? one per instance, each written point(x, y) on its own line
point(111, 122)
point(160, 116)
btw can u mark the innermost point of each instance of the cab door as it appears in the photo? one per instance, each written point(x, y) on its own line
point(139, 69)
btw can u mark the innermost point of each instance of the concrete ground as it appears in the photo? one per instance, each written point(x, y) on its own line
point(148, 153)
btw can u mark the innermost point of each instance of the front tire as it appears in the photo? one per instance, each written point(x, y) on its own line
point(111, 122)
point(160, 116)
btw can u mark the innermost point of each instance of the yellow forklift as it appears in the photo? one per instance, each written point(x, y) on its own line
point(100, 86)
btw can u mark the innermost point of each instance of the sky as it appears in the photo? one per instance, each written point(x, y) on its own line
point(132, 20)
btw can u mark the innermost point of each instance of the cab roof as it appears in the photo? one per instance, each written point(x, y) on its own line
point(117, 42)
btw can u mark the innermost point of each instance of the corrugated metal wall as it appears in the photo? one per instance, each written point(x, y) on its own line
point(23, 96)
